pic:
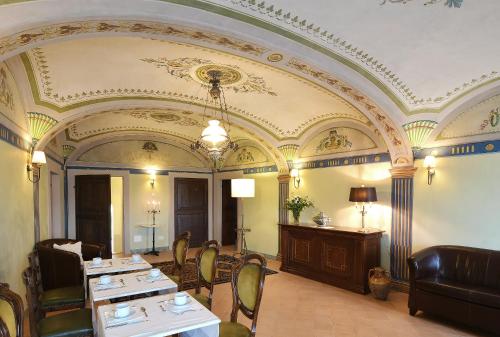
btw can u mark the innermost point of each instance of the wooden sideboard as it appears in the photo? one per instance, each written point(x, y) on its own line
point(340, 256)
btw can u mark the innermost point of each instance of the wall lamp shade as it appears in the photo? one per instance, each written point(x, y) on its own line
point(295, 174)
point(363, 194)
point(430, 165)
point(152, 177)
point(242, 188)
point(38, 158)
point(36, 161)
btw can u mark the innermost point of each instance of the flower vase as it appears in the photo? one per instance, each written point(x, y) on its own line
point(296, 218)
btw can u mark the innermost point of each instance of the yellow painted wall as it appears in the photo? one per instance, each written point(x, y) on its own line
point(140, 193)
point(16, 216)
point(329, 189)
point(117, 213)
point(261, 214)
point(462, 206)
point(44, 202)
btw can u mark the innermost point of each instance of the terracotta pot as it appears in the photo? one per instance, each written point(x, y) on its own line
point(379, 282)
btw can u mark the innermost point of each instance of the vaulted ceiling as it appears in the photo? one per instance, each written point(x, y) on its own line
point(382, 73)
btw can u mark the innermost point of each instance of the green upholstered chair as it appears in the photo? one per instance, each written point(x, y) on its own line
point(180, 248)
point(76, 323)
point(11, 312)
point(206, 268)
point(58, 298)
point(247, 282)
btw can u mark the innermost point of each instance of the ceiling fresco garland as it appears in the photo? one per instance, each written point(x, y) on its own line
point(448, 3)
point(233, 78)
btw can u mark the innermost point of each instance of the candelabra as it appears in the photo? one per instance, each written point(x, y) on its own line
point(153, 209)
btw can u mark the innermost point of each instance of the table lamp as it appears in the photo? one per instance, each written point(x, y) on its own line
point(363, 195)
point(242, 188)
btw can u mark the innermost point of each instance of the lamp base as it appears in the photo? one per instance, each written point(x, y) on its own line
point(363, 230)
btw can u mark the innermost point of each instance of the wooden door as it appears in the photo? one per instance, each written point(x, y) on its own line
point(191, 209)
point(93, 210)
point(229, 214)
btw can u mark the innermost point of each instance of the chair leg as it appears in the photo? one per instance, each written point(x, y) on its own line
point(413, 311)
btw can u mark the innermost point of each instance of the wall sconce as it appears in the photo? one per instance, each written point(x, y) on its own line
point(36, 161)
point(430, 165)
point(152, 177)
point(295, 174)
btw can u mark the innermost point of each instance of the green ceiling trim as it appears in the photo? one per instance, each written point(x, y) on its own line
point(39, 124)
point(418, 132)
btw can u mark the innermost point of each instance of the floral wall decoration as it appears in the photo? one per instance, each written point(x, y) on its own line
point(168, 116)
point(196, 69)
point(333, 141)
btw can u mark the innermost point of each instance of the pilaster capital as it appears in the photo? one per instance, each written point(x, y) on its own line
point(403, 172)
point(284, 178)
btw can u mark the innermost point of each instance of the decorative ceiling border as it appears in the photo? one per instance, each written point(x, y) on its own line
point(281, 15)
point(490, 146)
point(131, 94)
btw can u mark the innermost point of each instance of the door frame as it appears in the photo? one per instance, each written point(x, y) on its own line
point(171, 217)
point(218, 177)
point(126, 202)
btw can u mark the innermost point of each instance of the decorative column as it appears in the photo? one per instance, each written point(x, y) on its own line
point(402, 216)
point(284, 189)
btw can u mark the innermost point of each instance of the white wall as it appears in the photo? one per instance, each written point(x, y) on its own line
point(462, 206)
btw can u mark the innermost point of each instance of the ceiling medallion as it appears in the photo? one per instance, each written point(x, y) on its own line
point(275, 57)
point(227, 75)
point(214, 139)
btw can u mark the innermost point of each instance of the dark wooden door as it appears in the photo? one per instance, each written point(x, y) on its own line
point(191, 209)
point(229, 214)
point(93, 210)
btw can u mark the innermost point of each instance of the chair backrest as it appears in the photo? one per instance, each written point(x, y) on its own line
point(248, 285)
point(4, 331)
point(206, 265)
point(180, 248)
point(11, 312)
point(58, 268)
point(32, 295)
point(34, 264)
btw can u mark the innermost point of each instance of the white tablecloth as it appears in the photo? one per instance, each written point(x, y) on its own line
point(110, 266)
point(199, 323)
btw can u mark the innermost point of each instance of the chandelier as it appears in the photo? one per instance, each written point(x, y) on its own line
point(215, 140)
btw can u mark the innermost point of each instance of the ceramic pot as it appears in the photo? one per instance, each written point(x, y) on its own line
point(379, 282)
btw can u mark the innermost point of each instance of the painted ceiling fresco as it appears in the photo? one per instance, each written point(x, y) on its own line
point(247, 155)
point(11, 106)
point(133, 154)
point(109, 69)
point(338, 140)
point(481, 119)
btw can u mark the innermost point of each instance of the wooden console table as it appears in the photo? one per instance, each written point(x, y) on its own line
point(340, 256)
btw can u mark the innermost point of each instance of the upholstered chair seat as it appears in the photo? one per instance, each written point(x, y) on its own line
point(247, 283)
point(180, 248)
point(69, 324)
point(206, 268)
point(233, 329)
point(62, 297)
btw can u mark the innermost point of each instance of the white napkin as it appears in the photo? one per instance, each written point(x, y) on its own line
point(154, 279)
point(111, 320)
point(169, 305)
point(104, 264)
point(111, 285)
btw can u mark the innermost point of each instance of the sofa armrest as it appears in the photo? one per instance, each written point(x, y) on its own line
point(424, 263)
point(59, 268)
point(91, 250)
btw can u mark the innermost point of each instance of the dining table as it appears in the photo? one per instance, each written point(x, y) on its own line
point(158, 316)
point(112, 266)
point(126, 285)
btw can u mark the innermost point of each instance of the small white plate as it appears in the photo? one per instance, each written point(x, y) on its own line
point(114, 318)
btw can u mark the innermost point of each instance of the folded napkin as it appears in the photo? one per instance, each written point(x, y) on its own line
point(149, 279)
point(136, 316)
point(111, 285)
point(104, 264)
point(165, 306)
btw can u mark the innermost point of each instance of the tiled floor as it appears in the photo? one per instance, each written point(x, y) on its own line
point(293, 306)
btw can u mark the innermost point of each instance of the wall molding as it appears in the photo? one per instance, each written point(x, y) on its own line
point(13, 138)
point(347, 161)
point(466, 149)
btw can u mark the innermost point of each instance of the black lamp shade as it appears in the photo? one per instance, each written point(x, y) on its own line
point(363, 194)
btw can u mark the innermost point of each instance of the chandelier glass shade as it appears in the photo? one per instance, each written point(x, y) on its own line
point(215, 140)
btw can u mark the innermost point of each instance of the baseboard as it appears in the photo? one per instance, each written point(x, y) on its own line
point(144, 250)
point(402, 286)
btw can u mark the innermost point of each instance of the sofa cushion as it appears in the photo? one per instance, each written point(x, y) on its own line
point(71, 247)
point(69, 324)
point(485, 296)
point(444, 287)
point(62, 297)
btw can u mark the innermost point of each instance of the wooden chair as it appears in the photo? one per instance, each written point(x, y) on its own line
point(4, 331)
point(76, 323)
point(206, 268)
point(12, 313)
point(180, 248)
point(247, 282)
point(58, 298)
